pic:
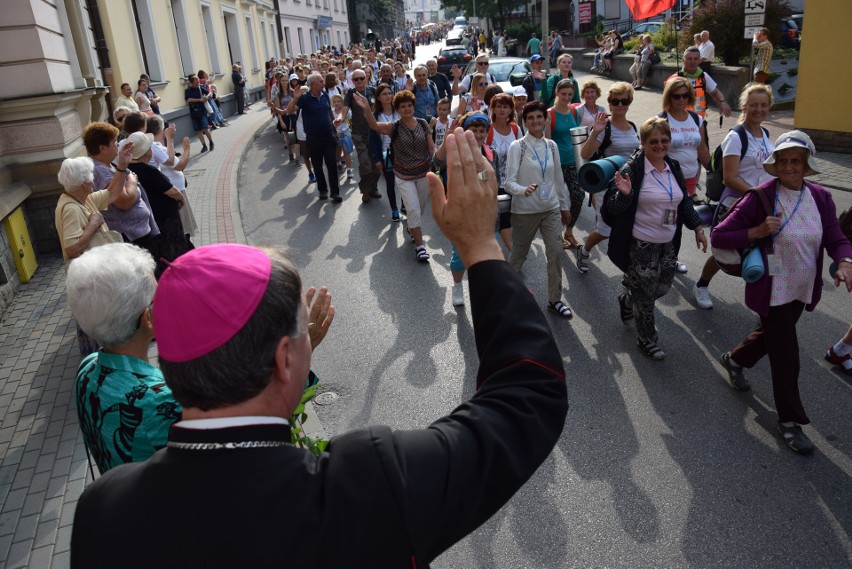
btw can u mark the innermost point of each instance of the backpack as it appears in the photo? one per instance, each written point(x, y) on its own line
point(515, 130)
point(551, 116)
point(607, 139)
point(845, 220)
point(731, 260)
point(715, 173)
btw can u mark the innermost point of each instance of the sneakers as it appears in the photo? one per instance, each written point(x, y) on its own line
point(212, 145)
point(458, 294)
point(203, 148)
point(348, 174)
point(650, 349)
point(702, 296)
point(323, 196)
point(336, 199)
point(681, 267)
point(295, 161)
point(365, 198)
point(736, 378)
point(311, 178)
point(394, 215)
point(582, 259)
point(796, 439)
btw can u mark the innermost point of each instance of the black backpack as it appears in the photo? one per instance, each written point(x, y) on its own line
point(607, 139)
point(715, 173)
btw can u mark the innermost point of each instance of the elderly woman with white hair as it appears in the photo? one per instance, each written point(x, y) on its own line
point(78, 217)
point(166, 201)
point(124, 406)
point(791, 237)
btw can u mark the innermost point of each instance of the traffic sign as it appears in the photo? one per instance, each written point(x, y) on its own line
point(754, 19)
point(750, 31)
point(755, 6)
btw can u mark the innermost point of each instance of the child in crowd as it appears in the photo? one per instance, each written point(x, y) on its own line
point(345, 145)
point(441, 123)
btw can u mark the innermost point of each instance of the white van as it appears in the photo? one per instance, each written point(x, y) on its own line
point(460, 23)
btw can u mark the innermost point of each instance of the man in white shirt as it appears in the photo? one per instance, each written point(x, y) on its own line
point(707, 50)
point(126, 98)
point(460, 88)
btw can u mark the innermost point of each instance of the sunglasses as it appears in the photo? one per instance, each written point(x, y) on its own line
point(619, 102)
point(482, 63)
point(482, 84)
point(656, 141)
point(680, 96)
point(359, 78)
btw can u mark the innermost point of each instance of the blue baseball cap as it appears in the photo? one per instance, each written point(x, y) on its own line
point(535, 58)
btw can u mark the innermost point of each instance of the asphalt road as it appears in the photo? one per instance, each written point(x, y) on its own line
point(661, 464)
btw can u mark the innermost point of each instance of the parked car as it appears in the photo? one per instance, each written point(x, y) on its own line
point(798, 18)
point(452, 55)
point(509, 72)
point(790, 34)
point(642, 29)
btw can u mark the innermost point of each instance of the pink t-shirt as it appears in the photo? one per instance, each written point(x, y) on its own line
point(798, 245)
point(659, 194)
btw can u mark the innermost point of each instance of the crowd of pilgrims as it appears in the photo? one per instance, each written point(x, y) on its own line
point(331, 104)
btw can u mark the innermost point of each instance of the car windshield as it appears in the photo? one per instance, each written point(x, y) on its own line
point(502, 69)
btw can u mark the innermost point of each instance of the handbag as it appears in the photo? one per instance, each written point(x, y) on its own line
point(655, 58)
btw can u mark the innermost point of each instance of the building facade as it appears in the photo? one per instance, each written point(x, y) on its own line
point(62, 67)
point(309, 24)
point(420, 12)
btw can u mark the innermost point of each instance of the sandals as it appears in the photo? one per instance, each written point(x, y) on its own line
point(582, 259)
point(568, 240)
point(420, 254)
point(559, 308)
point(843, 362)
point(625, 307)
point(650, 349)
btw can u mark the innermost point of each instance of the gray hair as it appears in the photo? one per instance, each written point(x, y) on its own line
point(155, 124)
point(121, 109)
point(315, 77)
point(75, 172)
point(422, 68)
point(109, 287)
point(241, 368)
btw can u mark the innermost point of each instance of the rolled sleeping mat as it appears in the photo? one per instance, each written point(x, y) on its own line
point(753, 266)
point(705, 212)
point(595, 176)
point(291, 137)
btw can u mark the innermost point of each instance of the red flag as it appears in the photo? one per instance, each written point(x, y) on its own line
point(642, 9)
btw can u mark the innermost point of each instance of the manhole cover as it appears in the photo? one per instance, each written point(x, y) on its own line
point(326, 398)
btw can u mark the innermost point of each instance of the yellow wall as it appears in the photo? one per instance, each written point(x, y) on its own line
point(822, 97)
point(125, 53)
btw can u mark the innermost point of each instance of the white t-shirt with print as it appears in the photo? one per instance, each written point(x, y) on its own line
point(751, 166)
point(686, 138)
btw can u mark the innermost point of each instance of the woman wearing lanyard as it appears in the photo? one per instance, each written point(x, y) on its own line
point(689, 131)
point(803, 224)
point(646, 205)
point(540, 201)
point(743, 167)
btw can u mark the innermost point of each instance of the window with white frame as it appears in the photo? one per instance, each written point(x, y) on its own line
point(251, 44)
point(287, 43)
point(232, 35)
point(335, 6)
point(301, 41)
point(265, 44)
point(276, 51)
point(182, 34)
point(210, 44)
point(147, 39)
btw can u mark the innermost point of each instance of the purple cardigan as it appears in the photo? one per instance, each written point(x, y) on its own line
point(732, 233)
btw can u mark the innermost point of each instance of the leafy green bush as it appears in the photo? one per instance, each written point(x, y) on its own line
point(666, 37)
point(523, 31)
point(726, 24)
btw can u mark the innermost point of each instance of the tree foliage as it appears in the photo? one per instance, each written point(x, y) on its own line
point(495, 10)
point(725, 20)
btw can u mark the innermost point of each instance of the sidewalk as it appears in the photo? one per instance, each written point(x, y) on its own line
point(43, 467)
point(836, 169)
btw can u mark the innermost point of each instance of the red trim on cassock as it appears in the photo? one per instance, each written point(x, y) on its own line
point(559, 374)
